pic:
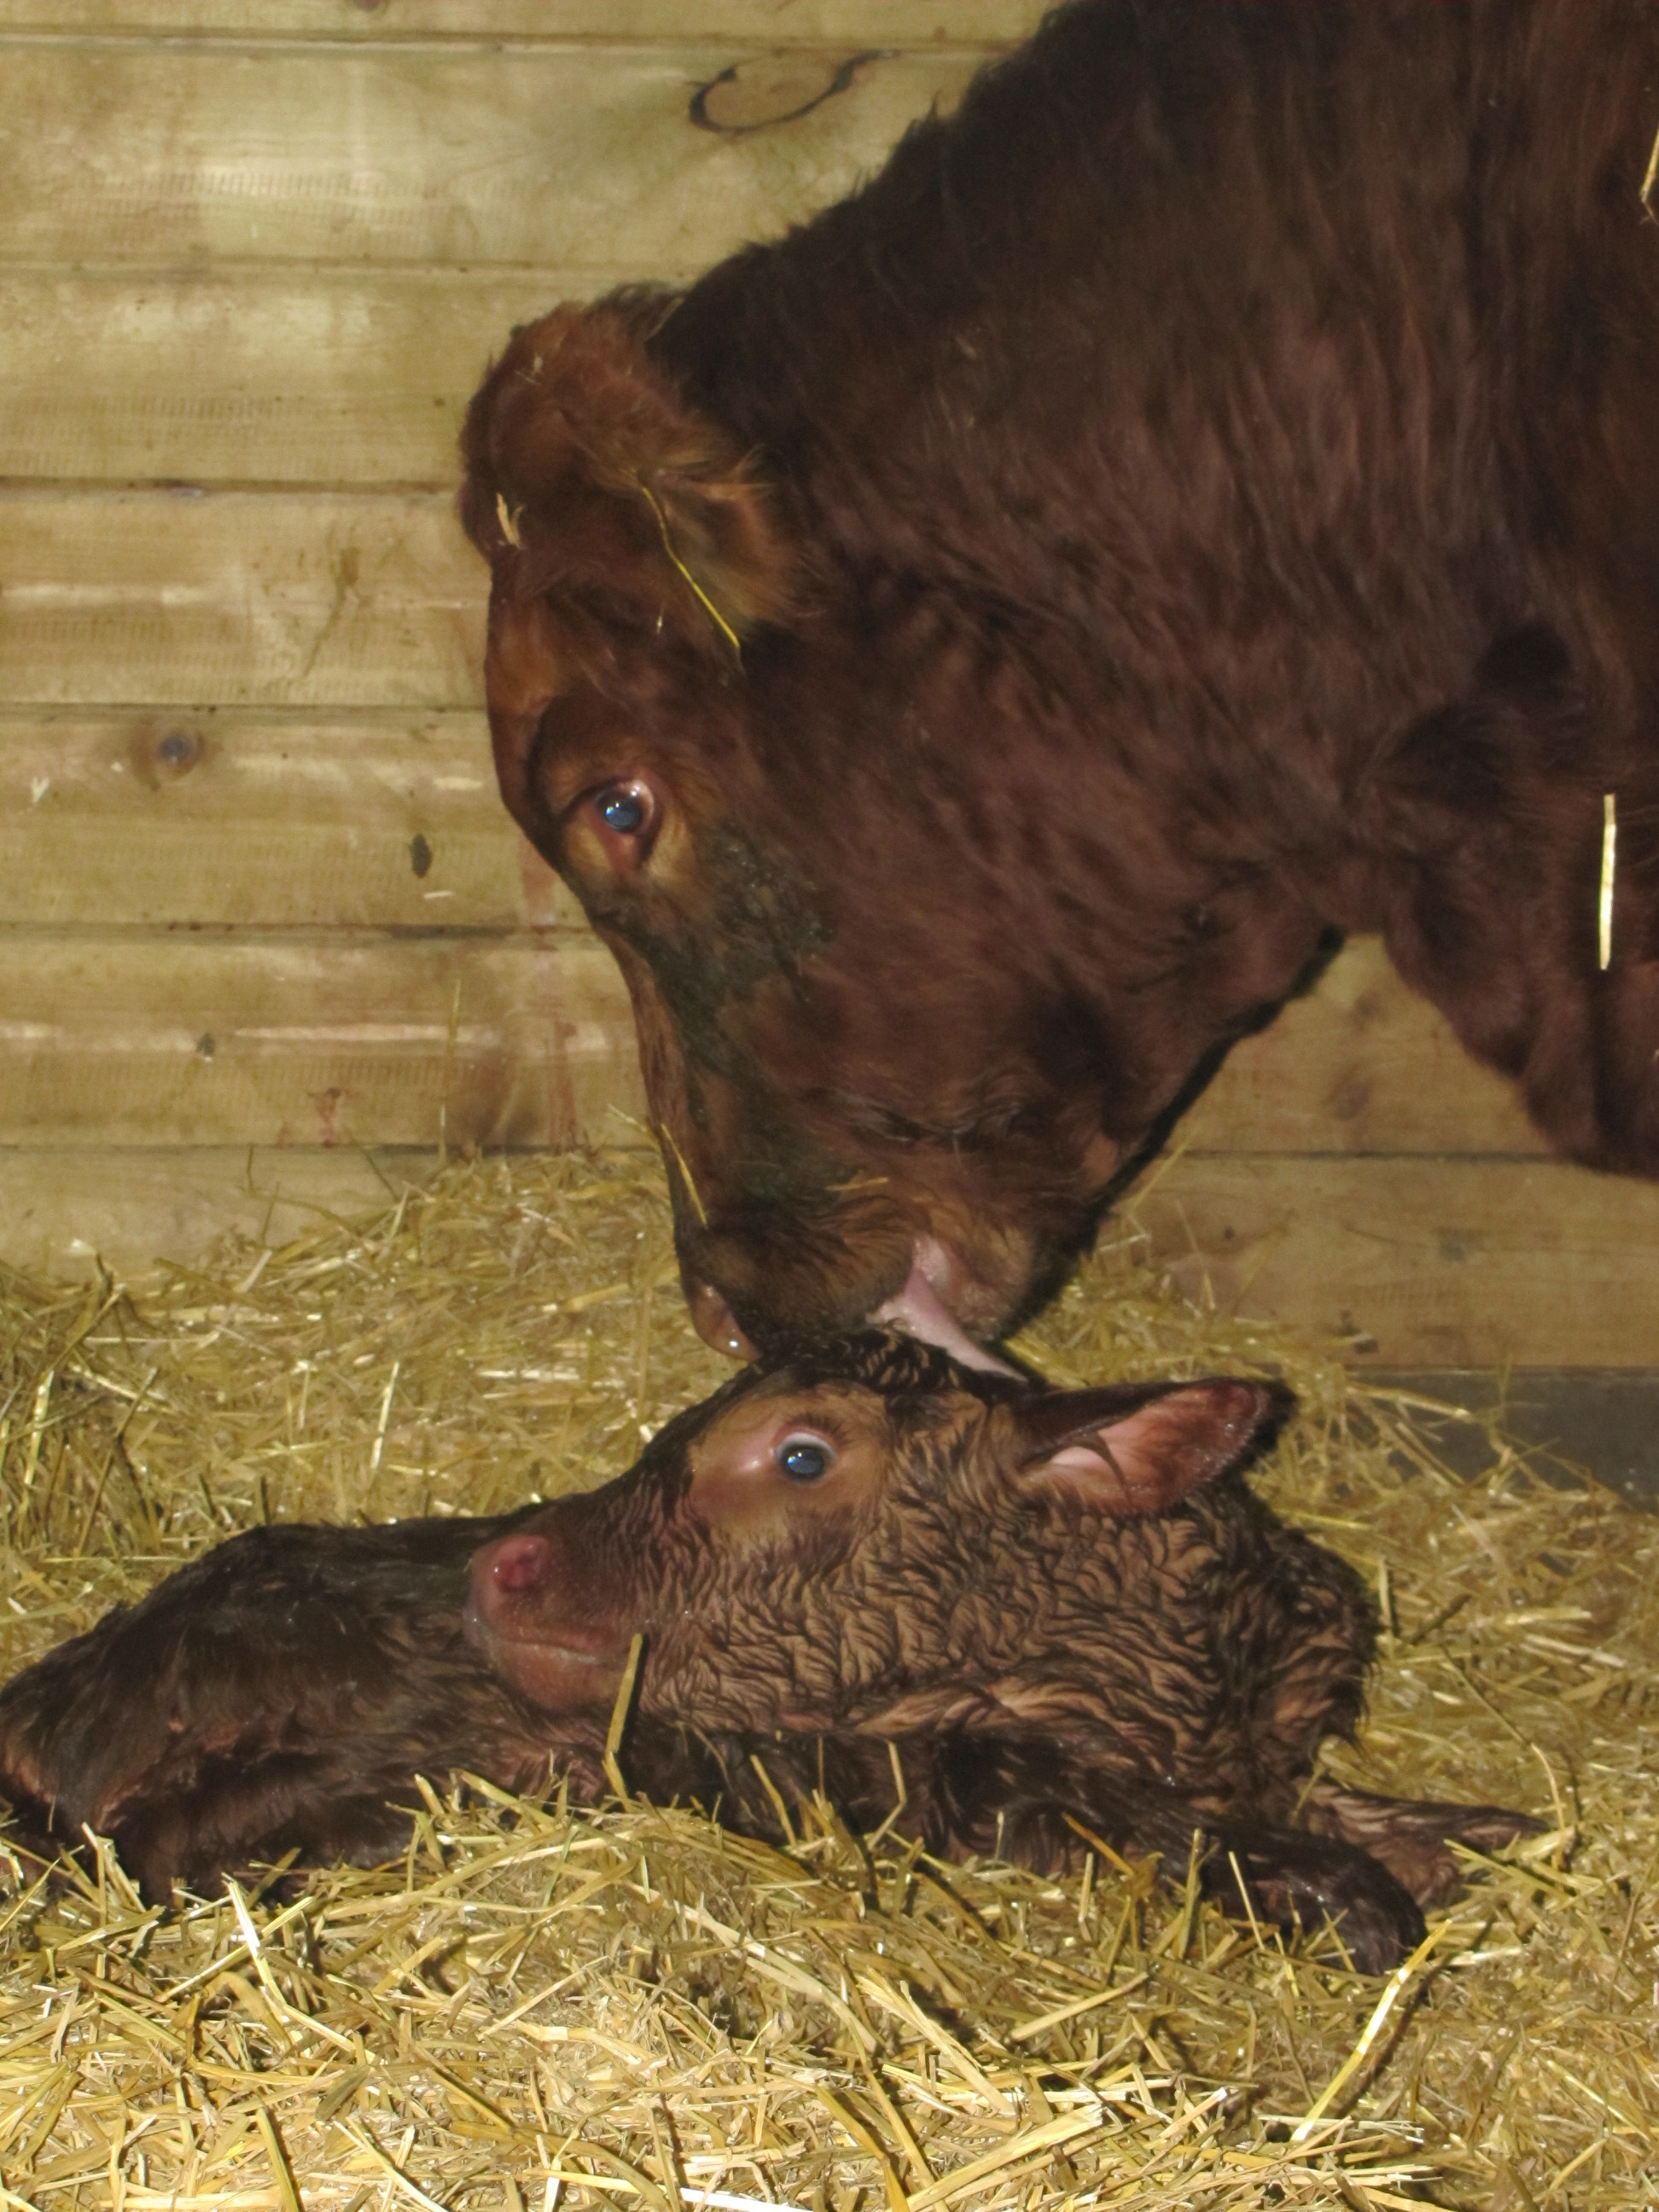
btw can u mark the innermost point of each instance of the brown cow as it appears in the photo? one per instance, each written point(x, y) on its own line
point(971, 657)
point(1049, 1602)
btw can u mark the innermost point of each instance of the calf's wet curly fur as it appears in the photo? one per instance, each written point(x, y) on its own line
point(1052, 1606)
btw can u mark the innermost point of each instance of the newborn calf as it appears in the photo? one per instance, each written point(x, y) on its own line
point(873, 1541)
point(1051, 1602)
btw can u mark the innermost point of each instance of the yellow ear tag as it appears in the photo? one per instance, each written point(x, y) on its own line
point(1609, 863)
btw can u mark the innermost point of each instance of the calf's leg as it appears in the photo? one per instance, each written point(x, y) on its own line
point(1412, 1838)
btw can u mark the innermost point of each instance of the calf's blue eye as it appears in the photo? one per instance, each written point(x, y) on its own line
point(622, 808)
point(804, 1459)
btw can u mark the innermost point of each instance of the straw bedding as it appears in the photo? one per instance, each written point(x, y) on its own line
point(542, 2004)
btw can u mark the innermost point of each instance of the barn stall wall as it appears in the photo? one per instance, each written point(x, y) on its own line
point(268, 932)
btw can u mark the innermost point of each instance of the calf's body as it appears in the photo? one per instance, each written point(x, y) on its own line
point(971, 656)
point(1054, 1606)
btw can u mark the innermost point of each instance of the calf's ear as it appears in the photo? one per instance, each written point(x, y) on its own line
point(1138, 1449)
point(589, 481)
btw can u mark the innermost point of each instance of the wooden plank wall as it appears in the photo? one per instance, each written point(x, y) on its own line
point(267, 928)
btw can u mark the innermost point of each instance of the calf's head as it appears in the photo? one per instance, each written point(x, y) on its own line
point(853, 965)
point(876, 1538)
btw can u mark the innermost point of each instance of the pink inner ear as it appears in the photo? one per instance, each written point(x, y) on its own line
point(1151, 1459)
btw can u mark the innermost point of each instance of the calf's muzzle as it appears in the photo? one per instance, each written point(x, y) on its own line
point(521, 1583)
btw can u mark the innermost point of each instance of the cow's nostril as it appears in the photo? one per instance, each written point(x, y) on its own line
point(716, 1324)
point(521, 1562)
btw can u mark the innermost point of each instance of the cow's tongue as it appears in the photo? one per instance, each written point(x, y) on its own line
point(920, 1311)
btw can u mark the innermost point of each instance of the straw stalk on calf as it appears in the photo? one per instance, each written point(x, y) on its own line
point(1049, 1602)
point(972, 656)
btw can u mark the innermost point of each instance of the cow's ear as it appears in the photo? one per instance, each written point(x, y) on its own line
point(718, 532)
point(592, 483)
point(1138, 1449)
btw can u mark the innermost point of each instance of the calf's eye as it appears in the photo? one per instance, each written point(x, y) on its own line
point(804, 1459)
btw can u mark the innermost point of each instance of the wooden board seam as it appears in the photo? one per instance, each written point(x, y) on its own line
point(743, 46)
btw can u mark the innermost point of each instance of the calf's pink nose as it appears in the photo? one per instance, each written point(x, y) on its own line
point(521, 1562)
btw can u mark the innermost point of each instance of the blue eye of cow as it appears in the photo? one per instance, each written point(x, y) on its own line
point(623, 808)
point(804, 1459)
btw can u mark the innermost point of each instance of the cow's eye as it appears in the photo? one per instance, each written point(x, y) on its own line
point(625, 818)
point(804, 1458)
point(625, 809)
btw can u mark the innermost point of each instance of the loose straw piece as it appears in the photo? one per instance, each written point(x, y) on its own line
point(1609, 862)
point(903, 1796)
point(613, 1734)
point(623, 2169)
point(1373, 2027)
point(358, 2134)
point(1061, 2014)
point(839, 2110)
point(718, 2200)
point(776, 1797)
point(1651, 177)
point(727, 2200)
point(1244, 1893)
point(386, 1416)
point(1064, 2130)
point(666, 1135)
point(668, 547)
point(288, 2189)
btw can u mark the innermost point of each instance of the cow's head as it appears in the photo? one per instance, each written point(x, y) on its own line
point(868, 1063)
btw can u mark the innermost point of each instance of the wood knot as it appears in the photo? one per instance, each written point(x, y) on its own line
point(165, 752)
